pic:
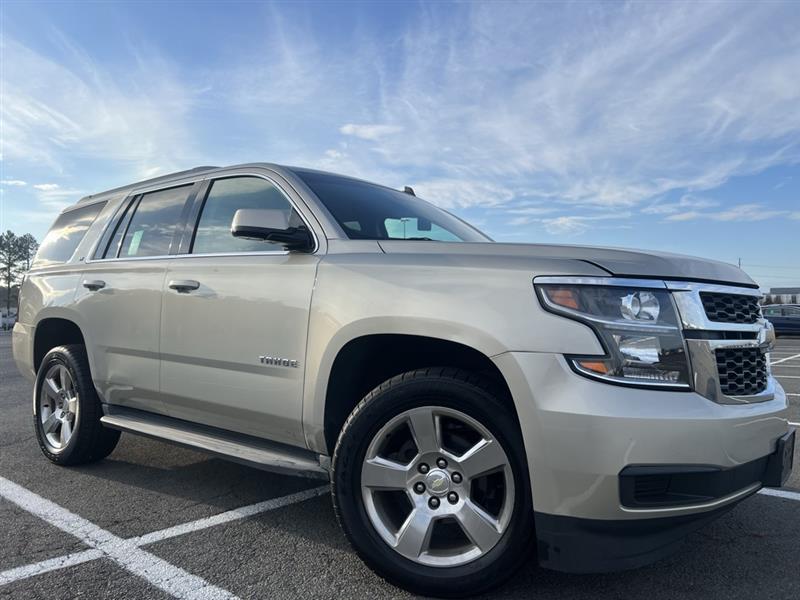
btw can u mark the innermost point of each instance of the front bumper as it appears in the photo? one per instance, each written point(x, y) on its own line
point(580, 434)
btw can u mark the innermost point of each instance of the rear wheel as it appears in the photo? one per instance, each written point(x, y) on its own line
point(430, 484)
point(67, 410)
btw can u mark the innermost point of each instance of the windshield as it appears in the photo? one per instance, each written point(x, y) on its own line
point(367, 211)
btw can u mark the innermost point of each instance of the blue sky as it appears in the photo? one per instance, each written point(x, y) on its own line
point(665, 126)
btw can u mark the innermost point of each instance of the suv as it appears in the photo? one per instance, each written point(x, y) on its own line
point(471, 402)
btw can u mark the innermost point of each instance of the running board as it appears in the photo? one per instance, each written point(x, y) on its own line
point(248, 450)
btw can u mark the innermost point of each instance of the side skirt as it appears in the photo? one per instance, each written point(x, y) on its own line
point(245, 449)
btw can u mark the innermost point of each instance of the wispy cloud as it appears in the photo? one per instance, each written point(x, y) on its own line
point(60, 113)
point(46, 187)
point(688, 202)
point(369, 132)
point(740, 212)
point(13, 182)
point(610, 106)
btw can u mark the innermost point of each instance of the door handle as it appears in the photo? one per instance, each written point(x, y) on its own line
point(183, 286)
point(94, 284)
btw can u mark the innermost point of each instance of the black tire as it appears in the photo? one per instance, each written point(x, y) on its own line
point(90, 441)
point(467, 393)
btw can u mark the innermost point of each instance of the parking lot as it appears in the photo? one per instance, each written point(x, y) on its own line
point(154, 520)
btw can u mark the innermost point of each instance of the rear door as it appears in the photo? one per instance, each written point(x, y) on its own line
point(235, 318)
point(120, 296)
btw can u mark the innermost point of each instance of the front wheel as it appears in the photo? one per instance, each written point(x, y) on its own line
point(431, 486)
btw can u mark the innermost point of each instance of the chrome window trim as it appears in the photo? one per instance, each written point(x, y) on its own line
point(207, 177)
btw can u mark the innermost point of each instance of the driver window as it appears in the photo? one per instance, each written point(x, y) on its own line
point(224, 198)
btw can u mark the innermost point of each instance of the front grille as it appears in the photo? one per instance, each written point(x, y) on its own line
point(730, 308)
point(742, 371)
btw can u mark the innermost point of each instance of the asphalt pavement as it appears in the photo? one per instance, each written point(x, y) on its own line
point(158, 521)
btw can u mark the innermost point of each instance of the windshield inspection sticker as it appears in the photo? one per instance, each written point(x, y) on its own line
point(135, 241)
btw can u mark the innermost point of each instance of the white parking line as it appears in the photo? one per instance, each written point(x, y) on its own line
point(781, 494)
point(156, 571)
point(781, 360)
point(787, 376)
point(62, 562)
point(231, 515)
point(126, 552)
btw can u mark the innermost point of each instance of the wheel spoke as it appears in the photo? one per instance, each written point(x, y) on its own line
point(51, 389)
point(51, 423)
point(483, 457)
point(72, 404)
point(66, 431)
point(425, 429)
point(414, 536)
point(479, 527)
point(63, 375)
point(385, 474)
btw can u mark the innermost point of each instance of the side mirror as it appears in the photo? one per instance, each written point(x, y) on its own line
point(270, 225)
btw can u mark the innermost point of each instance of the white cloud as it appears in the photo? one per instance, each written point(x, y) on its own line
point(59, 113)
point(577, 224)
point(369, 132)
point(462, 193)
point(13, 182)
point(740, 212)
point(795, 215)
point(46, 187)
point(611, 106)
point(747, 212)
point(688, 201)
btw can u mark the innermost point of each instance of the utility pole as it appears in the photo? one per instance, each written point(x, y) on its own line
point(740, 262)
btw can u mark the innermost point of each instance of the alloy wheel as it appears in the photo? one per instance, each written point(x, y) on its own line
point(437, 486)
point(58, 407)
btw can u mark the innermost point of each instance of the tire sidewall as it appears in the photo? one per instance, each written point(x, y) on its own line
point(59, 356)
point(513, 547)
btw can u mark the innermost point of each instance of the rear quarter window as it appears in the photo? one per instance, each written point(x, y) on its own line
point(66, 233)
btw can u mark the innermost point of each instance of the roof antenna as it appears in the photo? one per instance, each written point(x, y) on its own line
point(409, 190)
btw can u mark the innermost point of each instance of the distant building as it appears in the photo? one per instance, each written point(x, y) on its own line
point(783, 295)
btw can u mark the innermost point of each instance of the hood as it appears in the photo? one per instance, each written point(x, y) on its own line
point(616, 261)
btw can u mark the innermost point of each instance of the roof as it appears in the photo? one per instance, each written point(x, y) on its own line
point(785, 290)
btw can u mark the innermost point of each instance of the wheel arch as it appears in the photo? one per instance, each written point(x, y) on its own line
point(368, 360)
point(51, 332)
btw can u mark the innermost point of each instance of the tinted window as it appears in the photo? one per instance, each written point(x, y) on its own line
point(225, 197)
point(66, 233)
point(791, 312)
point(122, 224)
point(373, 212)
point(772, 312)
point(154, 222)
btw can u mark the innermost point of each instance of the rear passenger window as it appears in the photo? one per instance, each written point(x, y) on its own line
point(66, 233)
point(226, 196)
point(154, 222)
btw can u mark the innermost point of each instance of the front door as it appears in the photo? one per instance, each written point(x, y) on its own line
point(235, 319)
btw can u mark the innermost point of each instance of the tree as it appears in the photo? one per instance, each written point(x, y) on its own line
point(28, 248)
point(10, 258)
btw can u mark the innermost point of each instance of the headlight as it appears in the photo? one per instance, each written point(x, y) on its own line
point(638, 327)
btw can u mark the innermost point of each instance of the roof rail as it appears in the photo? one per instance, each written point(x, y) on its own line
point(153, 180)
